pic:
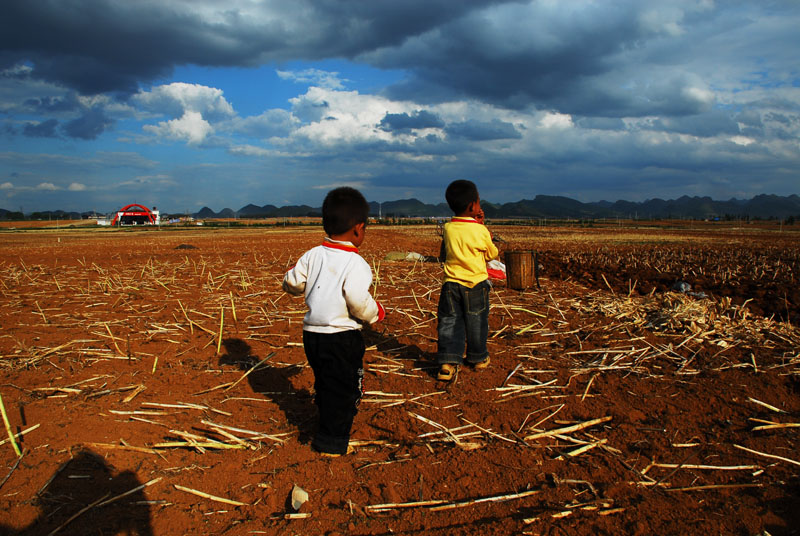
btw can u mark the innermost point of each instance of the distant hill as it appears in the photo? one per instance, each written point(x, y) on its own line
point(56, 215)
point(407, 208)
point(761, 207)
point(254, 211)
point(542, 206)
point(250, 211)
point(205, 213)
point(296, 211)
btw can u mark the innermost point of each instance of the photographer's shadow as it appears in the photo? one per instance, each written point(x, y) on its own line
point(274, 383)
point(84, 496)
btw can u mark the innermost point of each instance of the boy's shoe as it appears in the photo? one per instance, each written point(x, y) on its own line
point(482, 365)
point(350, 450)
point(446, 372)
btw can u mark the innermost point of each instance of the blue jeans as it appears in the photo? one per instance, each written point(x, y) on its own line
point(463, 317)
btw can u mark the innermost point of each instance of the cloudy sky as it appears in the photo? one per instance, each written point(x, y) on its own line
point(190, 103)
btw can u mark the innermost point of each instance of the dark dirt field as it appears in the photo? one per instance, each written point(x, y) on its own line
point(157, 384)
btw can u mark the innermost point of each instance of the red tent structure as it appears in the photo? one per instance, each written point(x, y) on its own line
point(136, 214)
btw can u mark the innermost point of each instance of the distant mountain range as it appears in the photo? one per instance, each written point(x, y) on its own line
point(543, 206)
point(555, 207)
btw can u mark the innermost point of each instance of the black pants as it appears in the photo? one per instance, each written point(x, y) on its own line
point(337, 361)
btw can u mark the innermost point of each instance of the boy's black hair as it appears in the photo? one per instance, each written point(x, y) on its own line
point(343, 209)
point(460, 194)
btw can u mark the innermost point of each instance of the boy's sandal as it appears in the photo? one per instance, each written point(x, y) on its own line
point(482, 365)
point(446, 373)
point(350, 450)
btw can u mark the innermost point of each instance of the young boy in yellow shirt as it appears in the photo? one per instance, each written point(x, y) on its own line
point(463, 310)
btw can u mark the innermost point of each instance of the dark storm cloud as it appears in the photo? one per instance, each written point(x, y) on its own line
point(68, 103)
point(88, 126)
point(784, 126)
point(406, 122)
point(513, 58)
point(82, 45)
point(601, 123)
point(603, 59)
point(45, 129)
point(351, 28)
point(484, 131)
point(751, 123)
point(706, 125)
point(96, 46)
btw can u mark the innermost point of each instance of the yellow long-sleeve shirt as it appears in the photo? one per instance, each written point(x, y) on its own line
point(468, 247)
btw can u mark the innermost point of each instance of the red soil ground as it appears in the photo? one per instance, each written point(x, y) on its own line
point(611, 406)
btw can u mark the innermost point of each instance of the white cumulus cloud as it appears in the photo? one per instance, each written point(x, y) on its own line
point(338, 117)
point(275, 122)
point(176, 99)
point(556, 120)
point(191, 127)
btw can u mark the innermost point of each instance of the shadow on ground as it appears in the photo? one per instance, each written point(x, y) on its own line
point(274, 383)
point(85, 496)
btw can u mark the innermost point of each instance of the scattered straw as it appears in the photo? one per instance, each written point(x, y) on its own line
point(209, 496)
point(8, 428)
point(568, 429)
point(764, 454)
point(221, 320)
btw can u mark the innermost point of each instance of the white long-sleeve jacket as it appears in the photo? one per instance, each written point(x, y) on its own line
point(335, 281)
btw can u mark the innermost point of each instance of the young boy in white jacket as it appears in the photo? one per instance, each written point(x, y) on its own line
point(336, 282)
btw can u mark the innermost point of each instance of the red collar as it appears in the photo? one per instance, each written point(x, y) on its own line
point(337, 245)
point(464, 219)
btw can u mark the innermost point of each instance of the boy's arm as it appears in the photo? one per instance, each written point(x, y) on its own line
point(360, 303)
point(294, 282)
point(491, 250)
